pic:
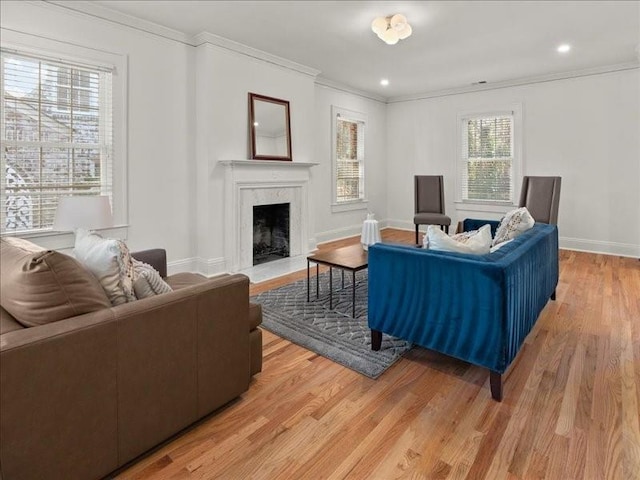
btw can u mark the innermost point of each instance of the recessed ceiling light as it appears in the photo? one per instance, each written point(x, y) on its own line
point(384, 82)
point(564, 48)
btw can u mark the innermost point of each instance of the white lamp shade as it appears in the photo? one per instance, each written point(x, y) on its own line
point(89, 212)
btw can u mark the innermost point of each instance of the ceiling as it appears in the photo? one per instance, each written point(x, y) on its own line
point(454, 43)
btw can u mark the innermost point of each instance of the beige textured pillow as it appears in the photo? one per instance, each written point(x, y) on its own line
point(39, 286)
point(147, 281)
point(513, 224)
point(110, 261)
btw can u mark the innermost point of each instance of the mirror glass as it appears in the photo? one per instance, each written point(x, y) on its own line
point(270, 129)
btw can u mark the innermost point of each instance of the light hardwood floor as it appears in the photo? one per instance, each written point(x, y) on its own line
point(571, 403)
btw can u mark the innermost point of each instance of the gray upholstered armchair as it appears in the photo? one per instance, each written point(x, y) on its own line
point(429, 202)
point(541, 196)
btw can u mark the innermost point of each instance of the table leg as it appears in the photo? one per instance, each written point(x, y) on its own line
point(343, 279)
point(308, 266)
point(354, 294)
point(330, 288)
point(317, 280)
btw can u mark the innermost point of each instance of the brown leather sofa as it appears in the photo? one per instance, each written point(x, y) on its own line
point(81, 397)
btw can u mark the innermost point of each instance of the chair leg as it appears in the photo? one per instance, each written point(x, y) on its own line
point(376, 340)
point(495, 379)
point(446, 229)
point(417, 233)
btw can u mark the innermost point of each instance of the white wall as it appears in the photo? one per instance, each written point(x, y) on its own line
point(224, 80)
point(585, 129)
point(161, 167)
point(329, 224)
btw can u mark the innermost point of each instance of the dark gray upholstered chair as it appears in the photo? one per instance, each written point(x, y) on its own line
point(541, 196)
point(429, 198)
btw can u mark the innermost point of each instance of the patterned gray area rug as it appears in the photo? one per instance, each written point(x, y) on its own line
point(332, 333)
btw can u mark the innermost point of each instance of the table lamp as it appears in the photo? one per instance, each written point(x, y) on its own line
point(88, 212)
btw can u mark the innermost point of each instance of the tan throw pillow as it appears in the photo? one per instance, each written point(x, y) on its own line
point(147, 281)
point(110, 261)
point(41, 286)
point(513, 224)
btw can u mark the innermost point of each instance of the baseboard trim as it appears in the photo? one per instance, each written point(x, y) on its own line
point(184, 265)
point(596, 246)
point(342, 233)
point(207, 267)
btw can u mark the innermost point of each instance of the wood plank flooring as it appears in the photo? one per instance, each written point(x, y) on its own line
point(571, 405)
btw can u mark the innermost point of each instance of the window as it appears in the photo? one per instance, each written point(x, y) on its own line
point(488, 160)
point(56, 137)
point(348, 168)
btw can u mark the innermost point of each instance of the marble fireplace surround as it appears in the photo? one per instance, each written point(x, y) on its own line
point(249, 183)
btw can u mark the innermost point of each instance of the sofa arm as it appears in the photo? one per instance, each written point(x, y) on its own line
point(156, 257)
point(181, 355)
point(58, 399)
point(448, 302)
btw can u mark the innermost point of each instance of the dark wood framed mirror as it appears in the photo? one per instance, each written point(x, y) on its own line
point(270, 128)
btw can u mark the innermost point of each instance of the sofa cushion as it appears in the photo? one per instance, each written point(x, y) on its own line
point(8, 323)
point(477, 242)
point(147, 281)
point(40, 286)
point(514, 223)
point(184, 279)
point(110, 261)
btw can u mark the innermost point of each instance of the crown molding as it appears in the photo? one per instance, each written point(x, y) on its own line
point(206, 38)
point(620, 67)
point(91, 9)
point(88, 8)
point(334, 85)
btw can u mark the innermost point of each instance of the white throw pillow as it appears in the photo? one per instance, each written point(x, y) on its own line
point(110, 261)
point(147, 281)
point(513, 224)
point(477, 242)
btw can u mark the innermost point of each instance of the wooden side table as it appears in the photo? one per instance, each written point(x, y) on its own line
point(352, 259)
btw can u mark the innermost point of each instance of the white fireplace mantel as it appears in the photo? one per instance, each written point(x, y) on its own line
point(266, 163)
point(250, 183)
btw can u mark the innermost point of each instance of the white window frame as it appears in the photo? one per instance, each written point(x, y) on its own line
point(50, 49)
point(361, 203)
point(516, 168)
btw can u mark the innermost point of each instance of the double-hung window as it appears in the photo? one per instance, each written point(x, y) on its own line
point(489, 157)
point(56, 127)
point(348, 153)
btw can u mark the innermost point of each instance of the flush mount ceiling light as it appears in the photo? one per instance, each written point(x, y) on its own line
point(564, 48)
point(391, 29)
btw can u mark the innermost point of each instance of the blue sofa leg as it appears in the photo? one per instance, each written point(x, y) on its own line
point(376, 340)
point(553, 295)
point(495, 379)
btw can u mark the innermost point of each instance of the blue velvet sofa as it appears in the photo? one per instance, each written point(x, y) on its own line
point(478, 308)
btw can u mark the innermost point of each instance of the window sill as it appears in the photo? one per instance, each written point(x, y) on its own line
point(491, 207)
point(350, 206)
point(66, 240)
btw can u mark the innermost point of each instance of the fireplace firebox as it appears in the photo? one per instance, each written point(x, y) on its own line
point(270, 232)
